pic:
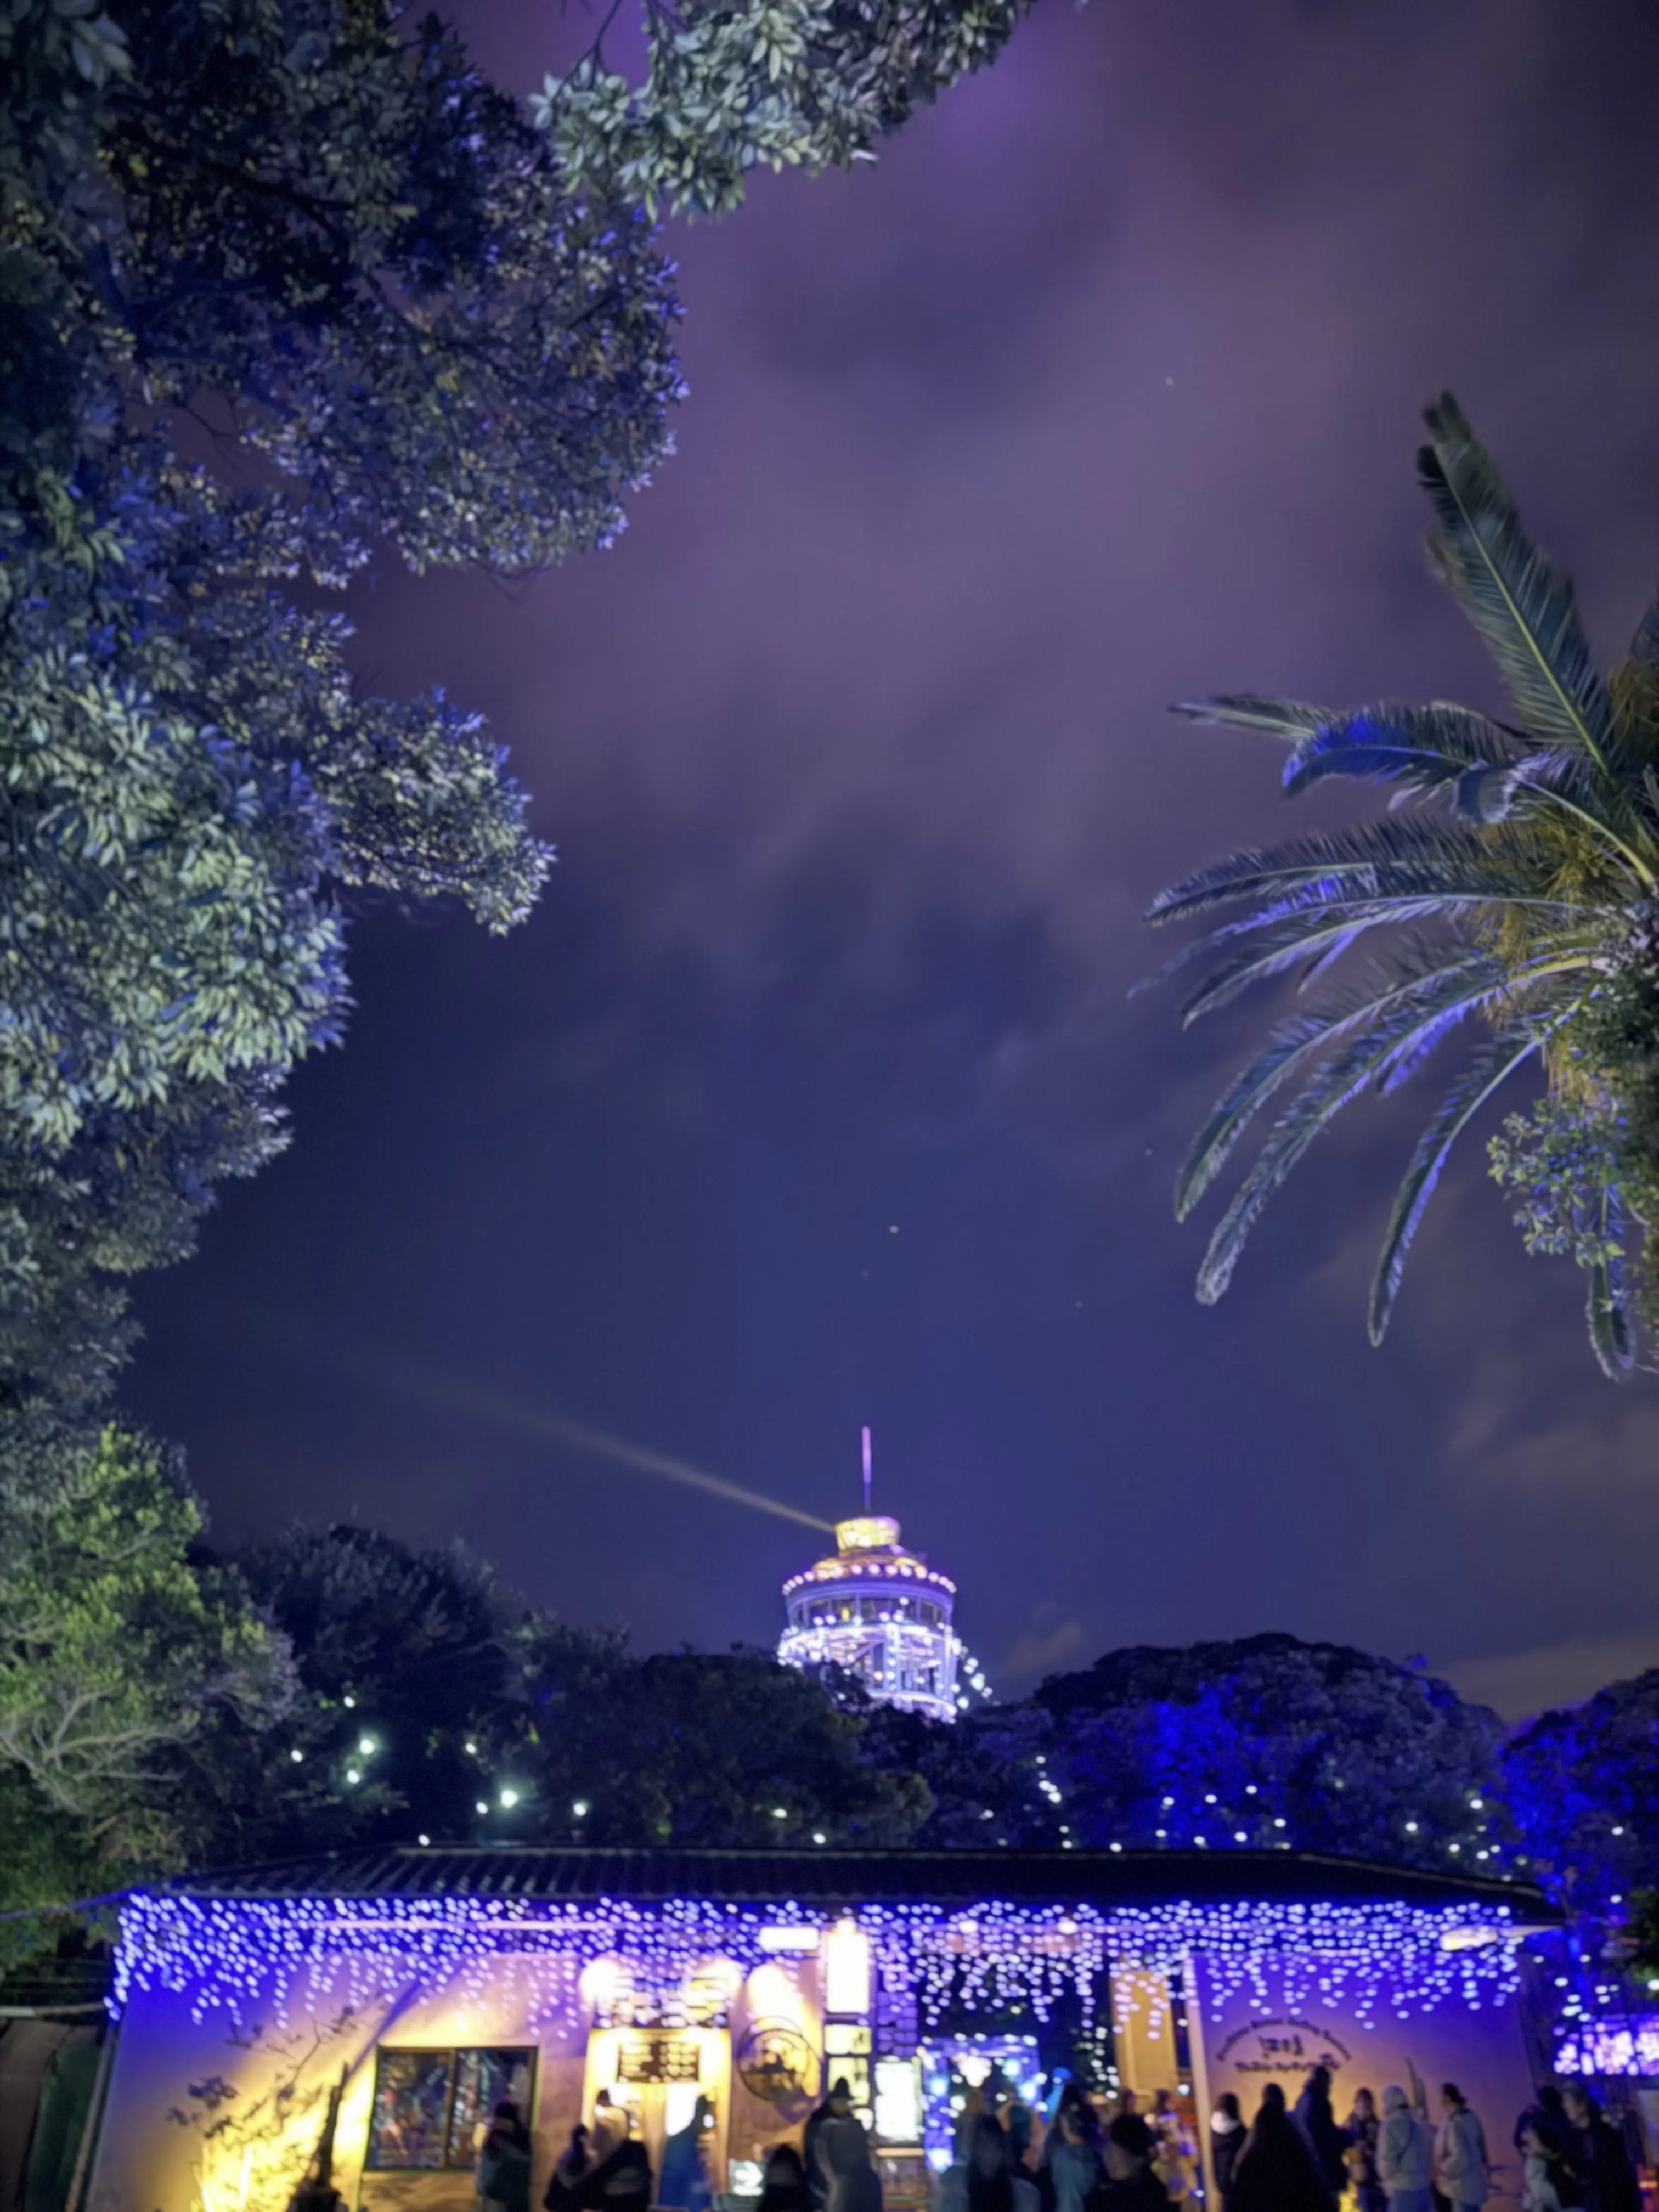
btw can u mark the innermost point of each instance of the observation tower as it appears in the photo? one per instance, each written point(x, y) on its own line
point(883, 1613)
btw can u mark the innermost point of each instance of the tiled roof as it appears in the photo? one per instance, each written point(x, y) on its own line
point(829, 1878)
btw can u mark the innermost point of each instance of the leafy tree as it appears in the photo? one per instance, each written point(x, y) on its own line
point(47, 1861)
point(1583, 1787)
point(286, 284)
point(1515, 897)
point(692, 1748)
point(789, 84)
point(983, 1773)
point(408, 1697)
point(358, 262)
point(429, 1701)
point(1271, 1742)
point(116, 1650)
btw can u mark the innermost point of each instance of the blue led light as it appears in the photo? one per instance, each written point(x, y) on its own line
point(235, 1954)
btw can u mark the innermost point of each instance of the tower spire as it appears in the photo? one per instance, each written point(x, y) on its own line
point(880, 1612)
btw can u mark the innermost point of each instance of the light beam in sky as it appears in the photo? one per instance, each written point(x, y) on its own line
point(455, 1394)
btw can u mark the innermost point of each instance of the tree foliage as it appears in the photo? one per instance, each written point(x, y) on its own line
point(1584, 1787)
point(294, 236)
point(118, 1650)
point(112, 1644)
point(687, 1747)
point(400, 1661)
point(1274, 1742)
point(1508, 895)
point(287, 288)
point(285, 285)
point(428, 1700)
point(733, 86)
point(161, 1704)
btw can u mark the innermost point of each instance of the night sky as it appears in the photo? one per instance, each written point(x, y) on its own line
point(813, 1094)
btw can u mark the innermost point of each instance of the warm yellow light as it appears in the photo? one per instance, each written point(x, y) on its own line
point(1470, 1939)
point(898, 2101)
point(789, 1936)
point(866, 1533)
point(601, 1980)
point(846, 1969)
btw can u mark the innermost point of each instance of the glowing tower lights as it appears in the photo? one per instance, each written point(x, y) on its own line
point(883, 1613)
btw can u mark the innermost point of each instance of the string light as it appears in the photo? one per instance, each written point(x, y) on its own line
point(1603, 2049)
point(237, 1954)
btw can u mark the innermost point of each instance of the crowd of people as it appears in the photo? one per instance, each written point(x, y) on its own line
point(1573, 2155)
point(1304, 2160)
point(1005, 2157)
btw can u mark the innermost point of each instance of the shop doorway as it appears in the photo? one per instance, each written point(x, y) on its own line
point(656, 2076)
point(953, 2067)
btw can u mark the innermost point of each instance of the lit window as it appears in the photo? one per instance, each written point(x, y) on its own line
point(432, 2107)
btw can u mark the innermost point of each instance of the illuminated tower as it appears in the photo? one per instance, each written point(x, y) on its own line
point(880, 1612)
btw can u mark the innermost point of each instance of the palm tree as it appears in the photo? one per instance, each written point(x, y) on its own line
point(1511, 889)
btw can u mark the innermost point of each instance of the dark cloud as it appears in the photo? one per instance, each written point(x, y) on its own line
point(1099, 391)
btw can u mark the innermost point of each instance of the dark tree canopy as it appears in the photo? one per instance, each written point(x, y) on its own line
point(429, 1701)
point(1272, 1740)
point(401, 1659)
point(1584, 1789)
point(337, 1686)
point(692, 1748)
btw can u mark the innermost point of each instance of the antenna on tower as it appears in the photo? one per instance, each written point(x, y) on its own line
point(866, 1471)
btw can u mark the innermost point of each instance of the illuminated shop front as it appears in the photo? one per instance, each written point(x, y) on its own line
point(586, 1983)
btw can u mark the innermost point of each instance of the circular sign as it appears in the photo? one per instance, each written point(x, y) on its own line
point(775, 2062)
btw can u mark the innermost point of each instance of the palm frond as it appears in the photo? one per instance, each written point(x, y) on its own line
point(1317, 936)
point(1308, 901)
point(1386, 1010)
point(1418, 1049)
point(1496, 1060)
point(1402, 858)
point(1516, 894)
point(1421, 747)
point(1522, 605)
point(1289, 719)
